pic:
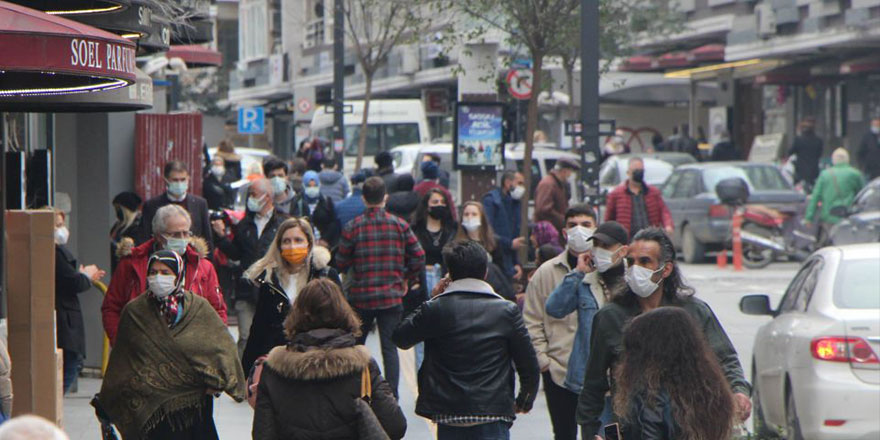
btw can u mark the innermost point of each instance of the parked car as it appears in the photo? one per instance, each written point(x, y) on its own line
point(404, 157)
point(815, 370)
point(701, 222)
point(613, 170)
point(249, 156)
point(862, 224)
point(673, 158)
point(543, 160)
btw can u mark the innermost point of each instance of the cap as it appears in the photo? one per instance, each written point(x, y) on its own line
point(610, 233)
point(430, 170)
point(568, 163)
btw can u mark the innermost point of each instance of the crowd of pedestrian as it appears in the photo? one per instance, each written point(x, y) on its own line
point(319, 260)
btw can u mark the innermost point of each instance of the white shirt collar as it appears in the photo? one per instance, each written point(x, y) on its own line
point(470, 285)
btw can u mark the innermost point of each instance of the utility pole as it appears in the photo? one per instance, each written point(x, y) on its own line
point(590, 152)
point(338, 80)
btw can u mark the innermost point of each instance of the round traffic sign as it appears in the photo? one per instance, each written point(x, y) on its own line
point(304, 105)
point(519, 83)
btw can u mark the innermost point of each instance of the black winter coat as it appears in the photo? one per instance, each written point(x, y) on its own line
point(403, 204)
point(869, 155)
point(69, 283)
point(808, 148)
point(273, 305)
point(650, 422)
point(323, 218)
point(218, 192)
point(248, 247)
point(473, 342)
point(195, 205)
point(310, 395)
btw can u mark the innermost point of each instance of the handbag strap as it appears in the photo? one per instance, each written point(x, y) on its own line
point(836, 185)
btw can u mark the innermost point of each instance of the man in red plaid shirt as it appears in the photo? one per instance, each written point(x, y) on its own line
point(384, 257)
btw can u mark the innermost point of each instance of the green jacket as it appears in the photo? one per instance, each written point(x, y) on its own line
point(840, 193)
point(606, 346)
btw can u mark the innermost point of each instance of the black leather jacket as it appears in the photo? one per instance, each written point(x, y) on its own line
point(473, 341)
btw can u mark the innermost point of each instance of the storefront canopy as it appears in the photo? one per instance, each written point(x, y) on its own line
point(41, 54)
point(74, 7)
point(196, 56)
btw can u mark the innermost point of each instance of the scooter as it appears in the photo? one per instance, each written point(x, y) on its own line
point(768, 234)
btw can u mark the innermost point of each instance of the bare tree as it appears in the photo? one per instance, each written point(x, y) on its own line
point(374, 28)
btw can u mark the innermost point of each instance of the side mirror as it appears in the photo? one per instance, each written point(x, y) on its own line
point(756, 305)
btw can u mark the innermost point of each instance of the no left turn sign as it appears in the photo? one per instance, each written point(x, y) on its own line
point(304, 105)
point(519, 83)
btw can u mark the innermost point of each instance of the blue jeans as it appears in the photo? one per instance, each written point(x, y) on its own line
point(486, 431)
point(73, 362)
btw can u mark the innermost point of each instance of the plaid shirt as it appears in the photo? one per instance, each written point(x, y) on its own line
point(469, 420)
point(383, 253)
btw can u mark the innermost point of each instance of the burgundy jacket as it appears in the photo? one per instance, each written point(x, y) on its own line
point(619, 207)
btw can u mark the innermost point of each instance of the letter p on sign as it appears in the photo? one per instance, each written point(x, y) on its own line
point(251, 120)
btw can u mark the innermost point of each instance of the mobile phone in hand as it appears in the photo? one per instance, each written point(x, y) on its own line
point(612, 432)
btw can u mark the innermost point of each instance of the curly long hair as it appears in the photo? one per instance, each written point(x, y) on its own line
point(675, 289)
point(665, 352)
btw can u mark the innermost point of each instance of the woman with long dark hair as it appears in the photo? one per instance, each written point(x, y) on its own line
point(671, 391)
point(475, 226)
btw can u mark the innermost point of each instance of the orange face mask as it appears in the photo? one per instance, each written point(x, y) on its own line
point(295, 255)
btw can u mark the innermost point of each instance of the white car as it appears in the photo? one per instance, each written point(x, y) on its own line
point(404, 157)
point(815, 370)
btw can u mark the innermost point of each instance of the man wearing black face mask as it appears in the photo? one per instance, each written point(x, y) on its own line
point(637, 205)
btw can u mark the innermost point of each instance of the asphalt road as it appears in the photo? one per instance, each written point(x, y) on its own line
point(721, 288)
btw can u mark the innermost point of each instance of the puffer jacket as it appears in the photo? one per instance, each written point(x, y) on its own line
point(310, 394)
point(619, 206)
point(334, 185)
point(130, 280)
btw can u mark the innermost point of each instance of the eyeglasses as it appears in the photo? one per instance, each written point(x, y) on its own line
point(178, 235)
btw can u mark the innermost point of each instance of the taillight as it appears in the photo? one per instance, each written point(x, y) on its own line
point(838, 349)
point(719, 211)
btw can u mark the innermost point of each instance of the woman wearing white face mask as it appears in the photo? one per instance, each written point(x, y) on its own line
point(71, 279)
point(216, 187)
point(475, 226)
point(654, 280)
point(170, 337)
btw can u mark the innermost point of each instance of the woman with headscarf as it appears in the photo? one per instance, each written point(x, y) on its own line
point(172, 355)
point(318, 209)
point(322, 385)
point(290, 263)
point(544, 233)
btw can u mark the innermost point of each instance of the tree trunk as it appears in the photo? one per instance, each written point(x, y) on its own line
point(362, 135)
point(531, 124)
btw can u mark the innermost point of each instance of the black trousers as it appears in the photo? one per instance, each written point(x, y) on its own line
point(386, 320)
point(562, 405)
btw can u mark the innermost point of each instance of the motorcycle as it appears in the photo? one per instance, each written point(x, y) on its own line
point(766, 233)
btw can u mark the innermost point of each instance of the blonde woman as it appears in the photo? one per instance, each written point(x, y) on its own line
point(290, 263)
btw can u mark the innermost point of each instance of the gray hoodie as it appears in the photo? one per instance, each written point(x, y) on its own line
point(334, 185)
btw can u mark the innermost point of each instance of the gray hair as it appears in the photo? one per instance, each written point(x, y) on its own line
point(31, 427)
point(266, 186)
point(160, 220)
point(633, 160)
point(840, 156)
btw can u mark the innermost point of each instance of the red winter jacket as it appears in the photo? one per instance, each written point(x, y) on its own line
point(130, 280)
point(619, 207)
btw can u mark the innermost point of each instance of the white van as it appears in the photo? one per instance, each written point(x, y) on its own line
point(391, 122)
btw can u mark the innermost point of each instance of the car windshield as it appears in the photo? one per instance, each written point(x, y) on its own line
point(856, 285)
point(869, 198)
point(758, 178)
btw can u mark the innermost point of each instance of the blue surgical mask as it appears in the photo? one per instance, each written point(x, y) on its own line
point(178, 189)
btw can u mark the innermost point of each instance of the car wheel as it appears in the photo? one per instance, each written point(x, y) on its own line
point(792, 423)
point(692, 249)
point(761, 428)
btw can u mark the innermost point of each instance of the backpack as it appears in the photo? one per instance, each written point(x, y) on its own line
point(253, 380)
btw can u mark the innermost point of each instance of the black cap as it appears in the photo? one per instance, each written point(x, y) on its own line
point(610, 233)
point(568, 163)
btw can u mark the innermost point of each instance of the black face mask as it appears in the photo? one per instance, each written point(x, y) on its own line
point(438, 212)
point(638, 176)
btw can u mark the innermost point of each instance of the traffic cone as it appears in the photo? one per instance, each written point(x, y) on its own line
point(721, 259)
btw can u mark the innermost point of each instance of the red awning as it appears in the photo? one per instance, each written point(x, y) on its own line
point(709, 52)
point(41, 54)
point(196, 56)
point(673, 59)
point(861, 65)
point(638, 63)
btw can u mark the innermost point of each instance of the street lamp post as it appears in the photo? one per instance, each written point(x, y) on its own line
point(590, 153)
point(338, 80)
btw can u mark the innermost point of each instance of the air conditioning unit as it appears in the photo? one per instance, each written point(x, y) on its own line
point(409, 59)
point(766, 19)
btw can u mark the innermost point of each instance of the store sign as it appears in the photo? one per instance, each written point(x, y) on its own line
point(479, 135)
point(436, 101)
point(97, 55)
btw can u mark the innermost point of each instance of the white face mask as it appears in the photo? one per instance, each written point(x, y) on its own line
point(218, 171)
point(604, 259)
point(177, 245)
point(638, 279)
point(579, 239)
point(161, 285)
point(279, 184)
point(178, 189)
point(61, 235)
point(313, 192)
point(518, 192)
point(255, 204)
point(471, 224)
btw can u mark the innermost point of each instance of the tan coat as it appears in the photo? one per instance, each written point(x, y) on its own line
point(552, 338)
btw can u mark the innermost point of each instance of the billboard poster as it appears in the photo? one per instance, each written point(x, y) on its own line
point(479, 135)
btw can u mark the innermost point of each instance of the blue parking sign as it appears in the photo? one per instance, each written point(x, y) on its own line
point(251, 120)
